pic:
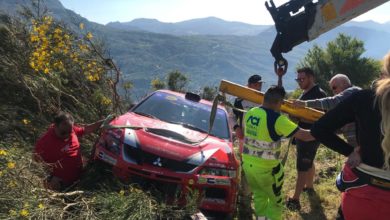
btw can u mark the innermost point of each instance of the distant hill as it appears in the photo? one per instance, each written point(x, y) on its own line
point(200, 49)
point(201, 26)
point(370, 25)
point(376, 41)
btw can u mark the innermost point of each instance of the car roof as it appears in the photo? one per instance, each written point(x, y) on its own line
point(203, 101)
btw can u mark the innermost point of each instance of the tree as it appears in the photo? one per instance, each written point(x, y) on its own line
point(157, 84)
point(127, 87)
point(46, 66)
point(209, 92)
point(177, 81)
point(343, 55)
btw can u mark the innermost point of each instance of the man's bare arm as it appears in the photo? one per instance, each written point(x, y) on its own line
point(92, 127)
point(304, 135)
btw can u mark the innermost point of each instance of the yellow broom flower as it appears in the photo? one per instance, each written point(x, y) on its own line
point(11, 165)
point(3, 152)
point(89, 36)
point(24, 213)
point(41, 206)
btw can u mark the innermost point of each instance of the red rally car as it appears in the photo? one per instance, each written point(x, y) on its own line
point(162, 144)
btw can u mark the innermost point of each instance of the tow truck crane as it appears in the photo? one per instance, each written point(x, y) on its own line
point(297, 21)
point(304, 20)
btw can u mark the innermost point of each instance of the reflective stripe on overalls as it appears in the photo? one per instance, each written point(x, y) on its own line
point(262, 149)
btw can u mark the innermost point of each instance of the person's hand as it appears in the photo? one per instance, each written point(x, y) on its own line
point(354, 159)
point(298, 104)
point(239, 133)
point(294, 119)
point(106, 121)
point(110, 117)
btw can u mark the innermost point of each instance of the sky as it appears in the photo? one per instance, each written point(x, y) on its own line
point(248, 11)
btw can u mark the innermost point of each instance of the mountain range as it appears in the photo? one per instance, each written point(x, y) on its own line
point(205, 49)
point(200, 26)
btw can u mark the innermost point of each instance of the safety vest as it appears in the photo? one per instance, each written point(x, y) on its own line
point(261, 139)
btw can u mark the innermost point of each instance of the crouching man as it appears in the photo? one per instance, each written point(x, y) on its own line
point(59, 148)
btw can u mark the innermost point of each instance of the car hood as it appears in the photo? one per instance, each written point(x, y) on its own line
point(173, 141)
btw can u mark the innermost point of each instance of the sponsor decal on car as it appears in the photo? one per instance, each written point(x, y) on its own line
point(225, 182)
point(152, 171)
point(171, 97)
point(214, 181)
point(211, 180)
point(215, 201)
point(216, 165)
point(202, 180)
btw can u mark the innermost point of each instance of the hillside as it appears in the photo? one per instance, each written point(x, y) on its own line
point(204, 57)
point(370, 25)
point(200, 26)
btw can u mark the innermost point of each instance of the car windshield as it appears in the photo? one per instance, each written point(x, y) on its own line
point(178, 110)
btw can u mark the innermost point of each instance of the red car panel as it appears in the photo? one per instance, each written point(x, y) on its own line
point(166, 148)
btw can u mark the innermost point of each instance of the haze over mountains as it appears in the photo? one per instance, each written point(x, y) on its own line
point(206, 49)
point(199, 26)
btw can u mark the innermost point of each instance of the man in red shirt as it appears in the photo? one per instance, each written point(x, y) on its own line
point(59, 147)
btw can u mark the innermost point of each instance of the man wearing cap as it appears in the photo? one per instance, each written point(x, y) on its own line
point(254, 82)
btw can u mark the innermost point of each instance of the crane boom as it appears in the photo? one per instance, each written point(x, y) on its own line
point(294, 25)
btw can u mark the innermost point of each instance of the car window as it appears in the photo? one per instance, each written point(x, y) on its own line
point(178, 110)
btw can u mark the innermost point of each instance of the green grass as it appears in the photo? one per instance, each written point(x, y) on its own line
point(325, 202)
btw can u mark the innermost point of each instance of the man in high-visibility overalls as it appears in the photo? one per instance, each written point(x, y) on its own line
point(264, 128)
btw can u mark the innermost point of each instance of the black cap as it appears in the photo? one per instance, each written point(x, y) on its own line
point(254, 79)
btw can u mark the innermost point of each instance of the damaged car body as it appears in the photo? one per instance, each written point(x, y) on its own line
point(163, 139)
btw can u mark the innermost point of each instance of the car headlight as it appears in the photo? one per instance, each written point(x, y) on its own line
point(111, 141)
point(218, 172)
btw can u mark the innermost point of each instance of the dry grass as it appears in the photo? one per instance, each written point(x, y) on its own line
point(97, 196)
point(100, 196)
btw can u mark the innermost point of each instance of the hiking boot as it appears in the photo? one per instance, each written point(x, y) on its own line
point(293, 204)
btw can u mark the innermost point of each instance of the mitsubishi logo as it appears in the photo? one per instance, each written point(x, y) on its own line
point(157, 162)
